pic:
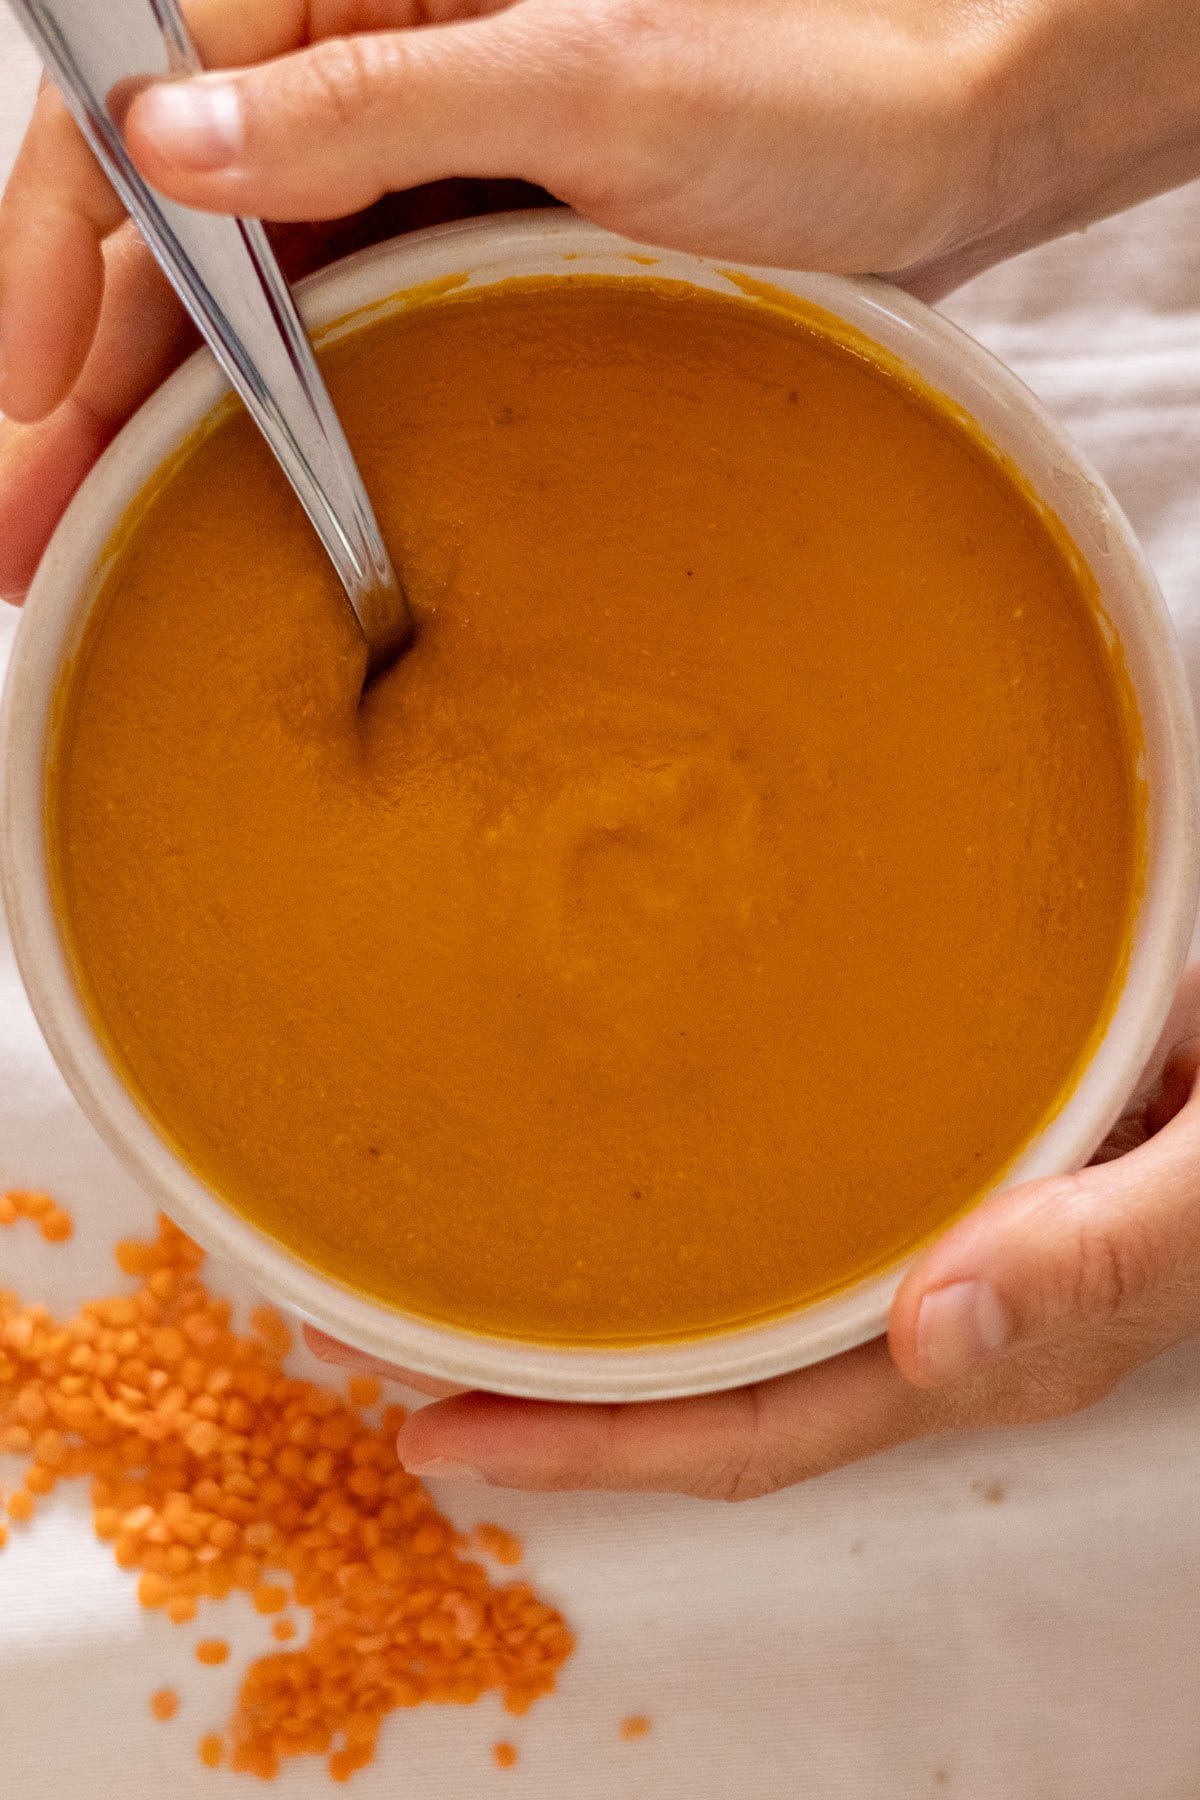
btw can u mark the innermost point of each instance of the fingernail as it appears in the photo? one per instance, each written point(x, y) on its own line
point(958, 1327)
point(195, 124)
point(442, 1468)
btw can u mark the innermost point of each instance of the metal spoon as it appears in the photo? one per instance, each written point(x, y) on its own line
point(99, 52)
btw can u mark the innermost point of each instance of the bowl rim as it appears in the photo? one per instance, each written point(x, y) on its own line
point(337, 299)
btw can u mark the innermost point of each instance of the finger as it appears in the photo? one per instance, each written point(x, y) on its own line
point(330, 129)
point(142, 335)
point(56, 211)
point(1119, 1241)
point(1158, 1098)
point(226, 35)
point(730, 1446)
point(40, 468)
point(331, 1350)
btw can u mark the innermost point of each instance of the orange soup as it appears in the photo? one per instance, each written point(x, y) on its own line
point(726, 885)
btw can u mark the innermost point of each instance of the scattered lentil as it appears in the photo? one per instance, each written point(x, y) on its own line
point(212, 1749)
point(22, 1203)
point(505, 1755)
point(212, 1470)
point(165, 1703)
point(270, 1598)
point(56, 1226)
point(212, 1652)
point(635, 1726)
point(499, 1543)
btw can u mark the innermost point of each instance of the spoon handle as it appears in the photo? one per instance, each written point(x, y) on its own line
point(225, 272)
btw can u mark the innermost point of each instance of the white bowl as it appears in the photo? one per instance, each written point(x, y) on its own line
point(548, 244)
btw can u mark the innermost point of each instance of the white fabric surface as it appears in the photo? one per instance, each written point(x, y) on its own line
point(899, 1630)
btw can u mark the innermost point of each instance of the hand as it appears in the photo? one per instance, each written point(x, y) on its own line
point(922, 137)
point(1032, 1308)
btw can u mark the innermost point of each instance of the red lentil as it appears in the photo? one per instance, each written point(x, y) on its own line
point(499, 1543)
point(212, 1470)
point(212, 1749)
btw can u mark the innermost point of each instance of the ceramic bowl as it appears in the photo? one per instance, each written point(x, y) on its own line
point(555, 244)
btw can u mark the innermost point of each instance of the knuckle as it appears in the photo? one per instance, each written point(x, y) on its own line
point(1111, 1262)
point(616, 62)
point(630, 24)
point(340, 79)
point(760, 1458)
point(1113, 1271)
point(737, 1481)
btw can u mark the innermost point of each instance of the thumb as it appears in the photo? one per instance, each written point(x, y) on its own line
point(1068, 1258)
point(330, 129)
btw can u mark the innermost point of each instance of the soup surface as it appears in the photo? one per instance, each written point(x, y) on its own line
point(717, 896)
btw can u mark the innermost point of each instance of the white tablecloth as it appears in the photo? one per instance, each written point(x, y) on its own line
point(1010, 1617)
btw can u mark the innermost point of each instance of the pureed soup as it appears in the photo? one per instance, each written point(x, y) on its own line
point(725, 887)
